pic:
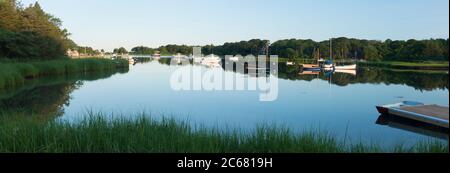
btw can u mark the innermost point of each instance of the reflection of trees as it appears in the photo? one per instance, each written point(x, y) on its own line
point(42, 100)
point(419, 80)
point(45, 97)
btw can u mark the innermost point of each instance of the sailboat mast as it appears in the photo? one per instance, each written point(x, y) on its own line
point(331, 49)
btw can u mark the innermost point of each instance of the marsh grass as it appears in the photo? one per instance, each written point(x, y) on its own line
point(13, 74)
point(97, 134)
point(426, 65)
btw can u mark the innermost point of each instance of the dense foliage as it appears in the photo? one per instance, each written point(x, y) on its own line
point(371, 50)
point(343, 48)
point(31, 33)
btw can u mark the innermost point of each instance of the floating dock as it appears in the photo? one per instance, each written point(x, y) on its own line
point(431, 114)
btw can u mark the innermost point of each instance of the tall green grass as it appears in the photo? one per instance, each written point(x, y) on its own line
point(14, 74)
point(145, 135)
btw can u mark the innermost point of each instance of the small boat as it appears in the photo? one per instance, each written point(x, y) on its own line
point(131, 61)
point(352, 72)
point(328, 64)
point(290, 63)
point(211, 59)
point(311, 67)
point(346, 67)
point(234, 59)
point(156, 56)
point(430, 114)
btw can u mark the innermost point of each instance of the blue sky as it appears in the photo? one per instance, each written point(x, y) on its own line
point(106, 24)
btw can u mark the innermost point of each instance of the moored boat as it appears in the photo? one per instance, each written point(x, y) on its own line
point(131, 61)
point(346, 67)
point(211, 59)
point(311, 67)
point(234, 59)
point(431, 114)
point(352, 72)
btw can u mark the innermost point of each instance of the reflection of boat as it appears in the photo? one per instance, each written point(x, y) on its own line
point(431, 114)
point(309, 73)
point(213, 65)
point(413, 126)
point(197, 59)
point(346, 67)
point(156, 56)
point(178, 58)
point(352, 72)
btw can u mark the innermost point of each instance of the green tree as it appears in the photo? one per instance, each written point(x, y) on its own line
point(9, 15)
point(120, 51)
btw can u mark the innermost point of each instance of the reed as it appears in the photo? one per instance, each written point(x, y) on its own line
point(98, 134)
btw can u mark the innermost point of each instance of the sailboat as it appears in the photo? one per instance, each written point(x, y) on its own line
point(312, 67)
point(329, 65)
point(345, 67)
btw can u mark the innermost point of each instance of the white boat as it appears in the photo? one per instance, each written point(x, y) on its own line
point(131, 61)
point(430, 114)
point(290, 63)
point(234, 59)
point(352, 72)
point(346, 67)
point(211, 59)
point(156, 56)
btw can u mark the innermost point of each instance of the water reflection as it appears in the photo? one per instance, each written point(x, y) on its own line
point(419, 80)
point(46, 96)
point(146, 87)
point(413, 126)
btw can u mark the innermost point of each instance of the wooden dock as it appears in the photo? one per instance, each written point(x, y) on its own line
point(431, 114)
point(429, 110)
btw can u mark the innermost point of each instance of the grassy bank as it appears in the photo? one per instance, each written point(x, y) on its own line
point(145, 135)
point(431, 65)
point(14, 74)
point(425, 65)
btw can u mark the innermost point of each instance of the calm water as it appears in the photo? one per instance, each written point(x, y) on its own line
point(341, 104)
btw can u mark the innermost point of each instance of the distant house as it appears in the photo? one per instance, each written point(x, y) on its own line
point(73, 53)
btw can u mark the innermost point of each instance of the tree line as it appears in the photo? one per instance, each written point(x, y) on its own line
point(342, 48)
point(360, 49)
point(31, 33)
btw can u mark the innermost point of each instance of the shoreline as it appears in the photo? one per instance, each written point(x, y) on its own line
point(13, 74)
point(426, 65)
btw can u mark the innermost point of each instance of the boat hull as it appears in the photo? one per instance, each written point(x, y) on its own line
point(346, 67)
